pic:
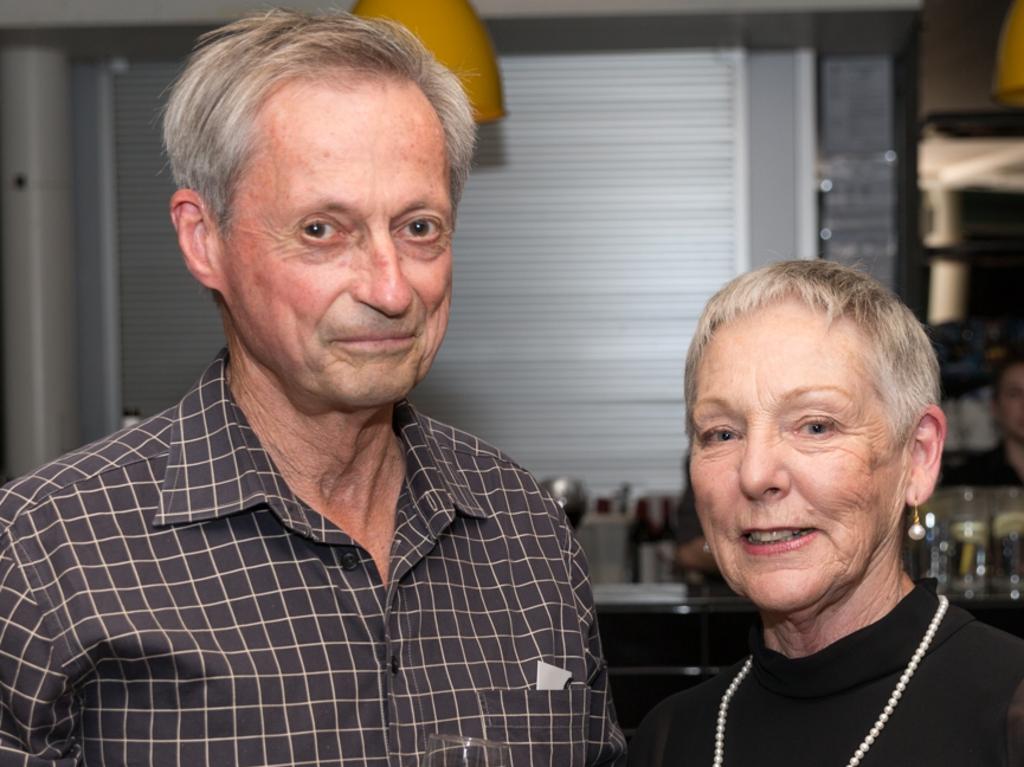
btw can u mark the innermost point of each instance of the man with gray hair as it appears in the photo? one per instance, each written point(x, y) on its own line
point(292, 566)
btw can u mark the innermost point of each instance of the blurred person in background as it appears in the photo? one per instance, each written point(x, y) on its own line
point(1003, 464)
point(693, 555)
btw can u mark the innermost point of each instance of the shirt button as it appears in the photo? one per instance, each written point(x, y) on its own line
point(349, 560)
point(394, 664)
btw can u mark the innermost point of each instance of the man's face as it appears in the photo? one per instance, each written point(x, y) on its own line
point(1008, 404)
point(336, 267)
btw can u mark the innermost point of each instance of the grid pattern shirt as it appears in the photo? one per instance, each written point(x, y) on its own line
point(165, 599)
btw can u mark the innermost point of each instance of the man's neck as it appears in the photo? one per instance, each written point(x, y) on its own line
point(348, 466)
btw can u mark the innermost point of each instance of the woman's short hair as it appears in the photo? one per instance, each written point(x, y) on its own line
point(901, 356)
point(212, 107)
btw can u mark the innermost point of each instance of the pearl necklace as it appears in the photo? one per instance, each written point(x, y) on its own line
point(873, 733)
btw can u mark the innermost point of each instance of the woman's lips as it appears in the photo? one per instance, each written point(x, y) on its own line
point(777, 540)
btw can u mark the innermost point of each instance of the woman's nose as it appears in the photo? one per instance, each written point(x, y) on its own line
point(762, 472)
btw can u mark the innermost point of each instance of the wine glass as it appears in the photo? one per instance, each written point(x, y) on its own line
point(462, 751)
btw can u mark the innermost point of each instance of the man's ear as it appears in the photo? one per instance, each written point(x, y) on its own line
point(198, 238)
point(926, 441)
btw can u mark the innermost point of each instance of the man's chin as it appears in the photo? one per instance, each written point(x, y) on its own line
point(370, 395)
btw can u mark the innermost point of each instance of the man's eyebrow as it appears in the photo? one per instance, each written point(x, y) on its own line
point(331, 205)
point(425, 204)
point(334, 205)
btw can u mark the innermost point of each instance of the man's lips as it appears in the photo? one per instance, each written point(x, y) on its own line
point(372, 338)
point(376, 341)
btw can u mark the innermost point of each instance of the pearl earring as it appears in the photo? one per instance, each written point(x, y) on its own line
point(916, 531)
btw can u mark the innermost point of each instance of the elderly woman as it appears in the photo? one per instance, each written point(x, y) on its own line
point(811, 396)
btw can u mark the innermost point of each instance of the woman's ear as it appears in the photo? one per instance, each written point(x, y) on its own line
point(926, 441)
point(198, 238)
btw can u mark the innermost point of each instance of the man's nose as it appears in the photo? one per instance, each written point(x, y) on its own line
point(763, 473)
point(381, 283)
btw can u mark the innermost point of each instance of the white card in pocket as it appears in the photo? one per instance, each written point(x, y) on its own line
point(551, 677)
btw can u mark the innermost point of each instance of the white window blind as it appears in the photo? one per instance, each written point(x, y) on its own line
point(600, 215)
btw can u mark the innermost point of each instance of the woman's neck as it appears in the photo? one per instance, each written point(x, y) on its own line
point(797, 635)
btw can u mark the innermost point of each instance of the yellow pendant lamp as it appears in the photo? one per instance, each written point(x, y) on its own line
point(453, 32)
point(1008, 85)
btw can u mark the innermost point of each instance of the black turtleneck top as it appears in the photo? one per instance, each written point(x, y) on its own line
point(963, 706)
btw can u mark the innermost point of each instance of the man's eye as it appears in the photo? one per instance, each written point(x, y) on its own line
point(422, 227)
point(318, 230)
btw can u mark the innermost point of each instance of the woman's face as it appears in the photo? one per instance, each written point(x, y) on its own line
point(799, 487)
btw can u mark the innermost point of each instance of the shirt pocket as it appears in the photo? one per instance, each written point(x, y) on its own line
point(544, 728)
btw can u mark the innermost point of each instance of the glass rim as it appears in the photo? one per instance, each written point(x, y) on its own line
point(464, 740)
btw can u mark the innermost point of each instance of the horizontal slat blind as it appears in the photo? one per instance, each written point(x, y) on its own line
point(170, 328)
point(599, 218)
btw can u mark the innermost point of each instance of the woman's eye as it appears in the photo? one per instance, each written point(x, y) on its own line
point(718, 435)
point(318, 230)
point(818, 428)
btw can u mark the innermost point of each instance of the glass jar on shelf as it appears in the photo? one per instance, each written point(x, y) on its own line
point(969, 553)
point(930, 557)
point(1008, 540)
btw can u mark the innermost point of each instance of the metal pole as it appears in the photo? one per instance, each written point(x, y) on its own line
point(40, 411)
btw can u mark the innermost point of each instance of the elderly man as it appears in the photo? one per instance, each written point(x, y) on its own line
point(292, 566)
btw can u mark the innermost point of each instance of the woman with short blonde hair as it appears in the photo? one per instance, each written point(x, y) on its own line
point(812, 406)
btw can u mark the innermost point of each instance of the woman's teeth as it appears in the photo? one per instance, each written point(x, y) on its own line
point(774, 536)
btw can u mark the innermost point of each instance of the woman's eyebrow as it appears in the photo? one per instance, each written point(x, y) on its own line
point(811, 392)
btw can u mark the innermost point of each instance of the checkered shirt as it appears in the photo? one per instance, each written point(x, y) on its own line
point(165, 599)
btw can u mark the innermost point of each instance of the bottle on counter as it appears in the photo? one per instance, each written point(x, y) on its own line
point(643, 545)
point(604, 535)
point(667, 540)
point(653, 541)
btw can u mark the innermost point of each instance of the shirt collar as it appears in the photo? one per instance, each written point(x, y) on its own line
point(216, 465)
point(432, 473)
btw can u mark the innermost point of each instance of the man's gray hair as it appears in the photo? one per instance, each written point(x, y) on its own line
point(212, 107)
point(901, 357)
